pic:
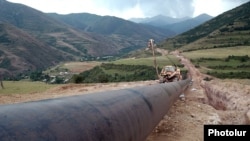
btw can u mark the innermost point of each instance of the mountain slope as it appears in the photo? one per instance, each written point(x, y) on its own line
point(228, 29)
point(159, 20)
point(24, 54)
point(58, 32)
point(177, 25)
point(31, 40)
point(188, 24)
point(132, 34)
point(53, 32)
point(60, 41)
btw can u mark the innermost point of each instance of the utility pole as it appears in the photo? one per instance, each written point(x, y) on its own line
point(1, 82)
point(152, 45)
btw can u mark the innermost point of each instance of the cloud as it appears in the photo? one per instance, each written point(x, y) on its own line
point(117, 4)
point(135, 8)
point(172, 8)
point(149, 8)
point(215, 7)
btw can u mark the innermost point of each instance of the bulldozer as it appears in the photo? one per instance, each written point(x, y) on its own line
point(170, 73)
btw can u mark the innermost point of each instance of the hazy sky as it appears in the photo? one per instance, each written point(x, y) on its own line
point(134, 8)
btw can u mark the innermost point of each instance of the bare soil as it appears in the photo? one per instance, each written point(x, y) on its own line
point(206, 102)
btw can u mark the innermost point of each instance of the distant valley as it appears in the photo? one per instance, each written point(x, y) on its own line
point(32, 40)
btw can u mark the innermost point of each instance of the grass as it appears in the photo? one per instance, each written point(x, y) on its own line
point(149, 61)
point(80, 66)
point(214, 60)
point(218, 52)
point(74, 67)
point(24, 87)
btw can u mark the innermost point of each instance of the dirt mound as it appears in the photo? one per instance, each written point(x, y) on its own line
point(224, 95)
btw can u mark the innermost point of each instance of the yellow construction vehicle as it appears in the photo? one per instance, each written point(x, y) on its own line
point(170, 74)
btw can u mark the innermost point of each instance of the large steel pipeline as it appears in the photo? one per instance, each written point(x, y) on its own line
point(119, 115)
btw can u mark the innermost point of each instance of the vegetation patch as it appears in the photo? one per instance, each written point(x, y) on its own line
point(125, 70)
point(233, 75)
point(24, 87)
point(224, 65)
point(108, 72)
point(149, 61)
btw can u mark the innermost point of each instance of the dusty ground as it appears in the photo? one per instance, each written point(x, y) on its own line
point(206, 102)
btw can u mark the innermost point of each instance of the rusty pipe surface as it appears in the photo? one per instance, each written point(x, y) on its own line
point(119, 115)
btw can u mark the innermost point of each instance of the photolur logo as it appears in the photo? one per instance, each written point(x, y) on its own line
point(235, 132)
point(214, 132)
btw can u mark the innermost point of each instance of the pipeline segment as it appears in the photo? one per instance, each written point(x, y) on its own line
point(119, 115)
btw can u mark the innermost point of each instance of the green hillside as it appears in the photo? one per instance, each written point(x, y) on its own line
point(219, 47)
point(231, 62)
point(129, 69)
point(226, 30)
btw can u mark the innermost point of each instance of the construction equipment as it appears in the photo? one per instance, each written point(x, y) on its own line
point(170, 74)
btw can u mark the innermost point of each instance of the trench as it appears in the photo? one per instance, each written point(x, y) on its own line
point(205, 102)
point(230, 101)
point(230, 106)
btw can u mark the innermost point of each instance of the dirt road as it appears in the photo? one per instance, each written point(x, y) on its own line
point(206, 102)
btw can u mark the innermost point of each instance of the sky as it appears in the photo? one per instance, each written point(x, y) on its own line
point(127, 9)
